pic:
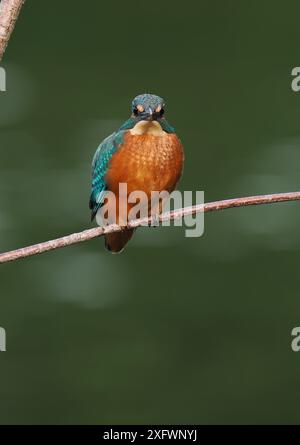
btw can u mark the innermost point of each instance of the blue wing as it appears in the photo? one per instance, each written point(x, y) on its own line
point(99, 168)
point(100, 164)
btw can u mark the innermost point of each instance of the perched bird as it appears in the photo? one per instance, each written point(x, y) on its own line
point(144, 153)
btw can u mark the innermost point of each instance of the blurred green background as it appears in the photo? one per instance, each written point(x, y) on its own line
point(174, 330)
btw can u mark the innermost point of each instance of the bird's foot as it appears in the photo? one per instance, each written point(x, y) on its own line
point(154, 221)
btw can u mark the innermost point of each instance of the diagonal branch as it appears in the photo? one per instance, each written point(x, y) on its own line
point(175, 214)
point(9, 11)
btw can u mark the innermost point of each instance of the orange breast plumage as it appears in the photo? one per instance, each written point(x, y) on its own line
point(146, 162)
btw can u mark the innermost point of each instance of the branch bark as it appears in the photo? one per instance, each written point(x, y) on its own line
point(9, 11)
point(175, 214)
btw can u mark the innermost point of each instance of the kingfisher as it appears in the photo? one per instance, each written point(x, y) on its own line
point(145, 154)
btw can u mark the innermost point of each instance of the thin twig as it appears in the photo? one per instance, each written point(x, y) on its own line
point(9, 11)
point(175, 214)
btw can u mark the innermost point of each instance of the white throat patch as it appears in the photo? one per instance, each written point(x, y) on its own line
point(147, 127)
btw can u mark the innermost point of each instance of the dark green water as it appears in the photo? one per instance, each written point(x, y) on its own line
point(174, 330)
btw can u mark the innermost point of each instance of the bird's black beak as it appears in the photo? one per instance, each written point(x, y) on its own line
point(150, 114)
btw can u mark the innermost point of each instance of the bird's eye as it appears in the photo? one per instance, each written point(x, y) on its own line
point(138, 109)
point(162, 111)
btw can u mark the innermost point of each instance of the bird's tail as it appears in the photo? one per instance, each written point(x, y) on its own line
point(115, 242)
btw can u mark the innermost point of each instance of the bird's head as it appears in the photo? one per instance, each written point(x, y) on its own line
point(148, 107)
